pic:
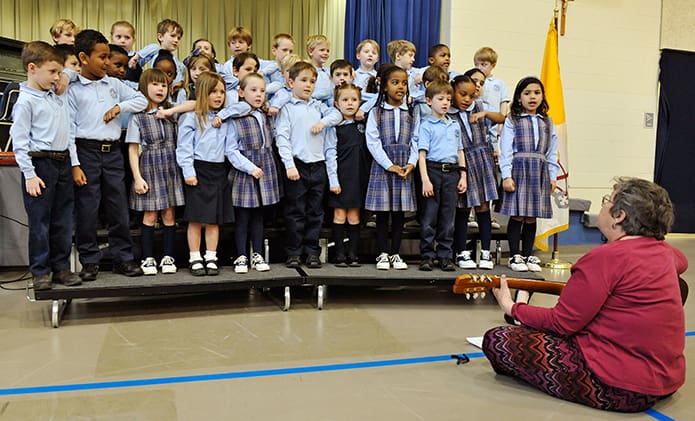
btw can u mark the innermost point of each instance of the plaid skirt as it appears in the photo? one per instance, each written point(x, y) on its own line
point(480, 177)
point(210, 201)
point(556, 366)
point(247, 192)
point(532, 195)
point(158, 168)
point(386, 191)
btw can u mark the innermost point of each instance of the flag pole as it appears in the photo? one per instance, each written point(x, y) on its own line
point(556, 263)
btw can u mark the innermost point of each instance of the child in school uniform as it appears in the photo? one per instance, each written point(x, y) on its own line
point(319, 49)
point(169, 34)
point(392, 131)
point(443, 172)
point(64, 31)
point(474, 119)
point(495, 92)
point(200, 154)
point(368, 55)
point(344, 162)
point(254, 175)
point(123, 35)
point(67, 53)
point(283, 95)
point(42, 148)
point(157, 182)
point(195, 66)
point(283, 45)
point(528, 162)
point(95, 101)
point(301, 149)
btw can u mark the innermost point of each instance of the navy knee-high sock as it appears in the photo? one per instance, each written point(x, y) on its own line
point(147, 239)
point(528, 234)
point(169, 234)
point(485, 229)
point(461, 229)
point(354, 236)
point(514, 235)
point(338, 238)
point(397, 221)
point(382, 231)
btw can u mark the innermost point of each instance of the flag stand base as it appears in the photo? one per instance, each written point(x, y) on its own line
point(556, 263)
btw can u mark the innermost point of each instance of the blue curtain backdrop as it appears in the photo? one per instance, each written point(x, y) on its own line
point(387, 20)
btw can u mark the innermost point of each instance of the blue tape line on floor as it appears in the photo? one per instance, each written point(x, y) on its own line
point(226, 376)
point(658, 415)
point(690, 333)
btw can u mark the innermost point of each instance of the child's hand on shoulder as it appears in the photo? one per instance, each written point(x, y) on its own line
point(316, 128)
point(164, 113)
point(475, 117)
point(34, 186)
point(293, 174)
point(78, 176)
point(176, 87)
point(336, 189)
point(257, 173)
point(112, 113)
point(272, 111)
point(508, 185)
point(359, 116)
point(62, 84)
point(191, 181)
point(216, 122)
point(133, 62)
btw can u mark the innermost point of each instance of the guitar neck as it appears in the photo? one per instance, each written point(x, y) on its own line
point(466, 284)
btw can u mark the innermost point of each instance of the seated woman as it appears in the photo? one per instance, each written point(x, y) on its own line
point(616, 336)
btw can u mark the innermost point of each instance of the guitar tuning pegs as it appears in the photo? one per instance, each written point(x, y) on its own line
point(468, 296)
point(482, 295)
point(475, 296)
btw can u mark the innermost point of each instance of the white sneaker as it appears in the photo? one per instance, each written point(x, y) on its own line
point(382, 262)
point(517, 264)
point(259, 263)
point(397, 262)
point(241, 264)
point(168, 265)
point(485, 260)
point(149, 266)
point(533, 264)
point(494, 224)
point(464, 261)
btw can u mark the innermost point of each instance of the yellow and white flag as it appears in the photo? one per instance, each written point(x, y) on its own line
point(550, 76)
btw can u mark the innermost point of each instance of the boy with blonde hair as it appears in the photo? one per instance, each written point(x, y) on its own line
point(368, 55)
point(123, 35)
point(284, 95)
point(495, 93)
point(319, 49)
point(63, 31)
point(42, 146)
point(169, 33)
point(283, 45)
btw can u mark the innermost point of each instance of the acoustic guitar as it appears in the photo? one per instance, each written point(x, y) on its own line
point(477, 285)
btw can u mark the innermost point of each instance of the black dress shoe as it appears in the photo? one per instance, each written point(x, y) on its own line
point(426, 264)
point(89, 272)
point(127, 268)
point(353, 261)
point(67, 278)
point(42, 282)
point(313, 261)
point(446, 265)
point(341, 261)
point(293, 262)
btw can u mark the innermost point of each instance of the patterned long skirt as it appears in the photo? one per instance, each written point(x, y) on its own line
point(556, 366)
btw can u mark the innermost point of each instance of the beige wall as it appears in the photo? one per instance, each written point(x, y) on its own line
point(609, 63)
point(678, 29)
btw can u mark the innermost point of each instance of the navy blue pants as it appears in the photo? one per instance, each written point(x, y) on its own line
point(304, 208)
point(106, 188)
point(438, 213)
point(50, 217)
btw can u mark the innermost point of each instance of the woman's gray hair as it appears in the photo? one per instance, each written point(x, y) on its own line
point(647, 206)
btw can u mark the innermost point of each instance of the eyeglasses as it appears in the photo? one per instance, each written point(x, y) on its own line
point(606, 199)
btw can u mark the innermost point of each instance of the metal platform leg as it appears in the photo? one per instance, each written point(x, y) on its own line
point(266, 250)
point(57, 309)
point(323, 243)
point(498, 251)
point(320, 295)
point(287, 299)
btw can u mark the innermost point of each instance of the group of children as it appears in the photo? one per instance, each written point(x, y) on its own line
point(290, 128)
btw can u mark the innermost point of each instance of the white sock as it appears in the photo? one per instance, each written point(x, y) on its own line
point(194, 255)
point(211, 255)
